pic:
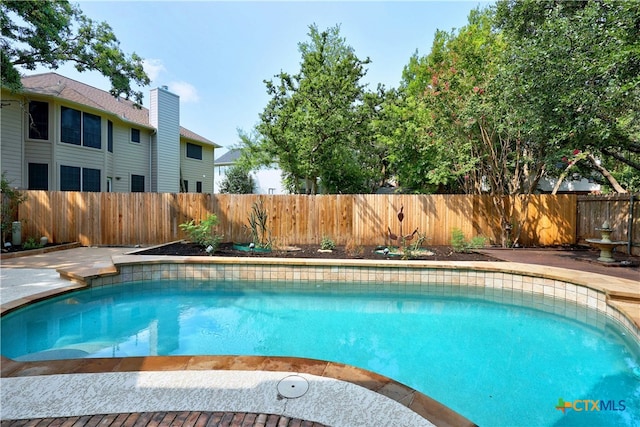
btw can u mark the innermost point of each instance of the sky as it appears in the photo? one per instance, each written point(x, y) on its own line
point(216, 54)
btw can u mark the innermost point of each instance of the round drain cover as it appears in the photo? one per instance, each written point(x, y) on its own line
point(293, 386)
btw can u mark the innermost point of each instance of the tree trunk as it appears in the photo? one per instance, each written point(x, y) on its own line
point(605, 173)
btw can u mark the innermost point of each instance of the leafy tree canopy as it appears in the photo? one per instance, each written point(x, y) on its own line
point(49, 33)
point(439, 145)
point(237, 180)
point(318, 125)
point(455, 129)
point(573, 72)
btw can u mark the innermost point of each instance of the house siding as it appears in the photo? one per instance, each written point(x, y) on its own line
point(164, 115)
point(65, 154)
point(194, 170)
point(11, 137)
point(157, 156)
point(38, 152)
point(267, 181)
point(129, 157)
point(219, 174)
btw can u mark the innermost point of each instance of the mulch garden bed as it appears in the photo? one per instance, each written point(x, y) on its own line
point(440, 253)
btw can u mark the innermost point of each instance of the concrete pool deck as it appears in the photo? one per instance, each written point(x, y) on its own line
point(24, 279)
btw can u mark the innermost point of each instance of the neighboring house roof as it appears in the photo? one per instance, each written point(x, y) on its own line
point(58, 86)
point(228, 158)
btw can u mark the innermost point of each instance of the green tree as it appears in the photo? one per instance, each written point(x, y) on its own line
point(237, 180)
point(439, 146)
point(455, 133)
point(49, 33)
point(573, 71)
point(318, 125)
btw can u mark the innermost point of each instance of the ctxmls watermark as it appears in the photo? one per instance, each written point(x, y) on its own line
point(587, 405)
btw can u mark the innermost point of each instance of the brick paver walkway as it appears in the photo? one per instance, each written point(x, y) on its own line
point(191, 418)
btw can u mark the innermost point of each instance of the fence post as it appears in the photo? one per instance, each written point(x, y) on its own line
point(630, 225)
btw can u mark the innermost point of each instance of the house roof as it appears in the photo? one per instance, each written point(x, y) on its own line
point(58, 86)
point(228, 158)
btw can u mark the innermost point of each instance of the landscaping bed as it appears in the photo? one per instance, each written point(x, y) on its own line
point(436, 253)
point(20, 250)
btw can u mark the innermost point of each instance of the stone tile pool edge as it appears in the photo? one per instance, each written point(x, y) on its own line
point(615, 297)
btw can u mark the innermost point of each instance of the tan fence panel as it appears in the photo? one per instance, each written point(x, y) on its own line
point(551, 220)
point(154, 218)
point(233, 212)
point(622, 214)
point(37, 216)
point(434, 216)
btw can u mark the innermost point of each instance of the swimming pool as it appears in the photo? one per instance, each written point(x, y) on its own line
point(496, 356)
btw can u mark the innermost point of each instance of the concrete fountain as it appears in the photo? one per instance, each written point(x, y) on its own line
point(605, 244)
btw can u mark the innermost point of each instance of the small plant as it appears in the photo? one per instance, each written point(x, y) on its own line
point(31, 243)
point(327, 244)
point(414, 249)
point(417, 244)
point(460, 244)
point(202, 233)
point(260, 233)
point(353, 250)
point(458, 241)
point(478, 242)
point(11, 199)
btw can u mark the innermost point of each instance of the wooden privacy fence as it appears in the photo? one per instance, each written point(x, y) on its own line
point(154, 218)
point(623, 213)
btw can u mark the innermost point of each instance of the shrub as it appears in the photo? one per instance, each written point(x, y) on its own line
point(460, 244)
point(11, 198)
point(31, 243)
point(202, 233)
point(458, 241)
point(478, 242)
point(327, 244)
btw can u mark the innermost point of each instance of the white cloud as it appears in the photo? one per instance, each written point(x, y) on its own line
point(186, 91)
point(153, 68)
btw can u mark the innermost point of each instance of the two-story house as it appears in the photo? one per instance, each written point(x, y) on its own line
point(61, 134)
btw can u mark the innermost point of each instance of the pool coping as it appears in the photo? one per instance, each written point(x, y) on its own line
point(419, 403)
point(622, 294)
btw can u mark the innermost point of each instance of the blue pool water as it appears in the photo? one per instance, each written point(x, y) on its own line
point(498, 357)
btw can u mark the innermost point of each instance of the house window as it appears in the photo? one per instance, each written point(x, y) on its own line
point(38, 120)
point(80, 128)
point(90, 179)
point(79, 179)
point(185, 186)
point(69, 178)
point(135, 135)
point(137, 183)
point(194, 151)
point(38, 176)
point(198, 186)
point(110, 136)
point(91, 132)
point(70, 125)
